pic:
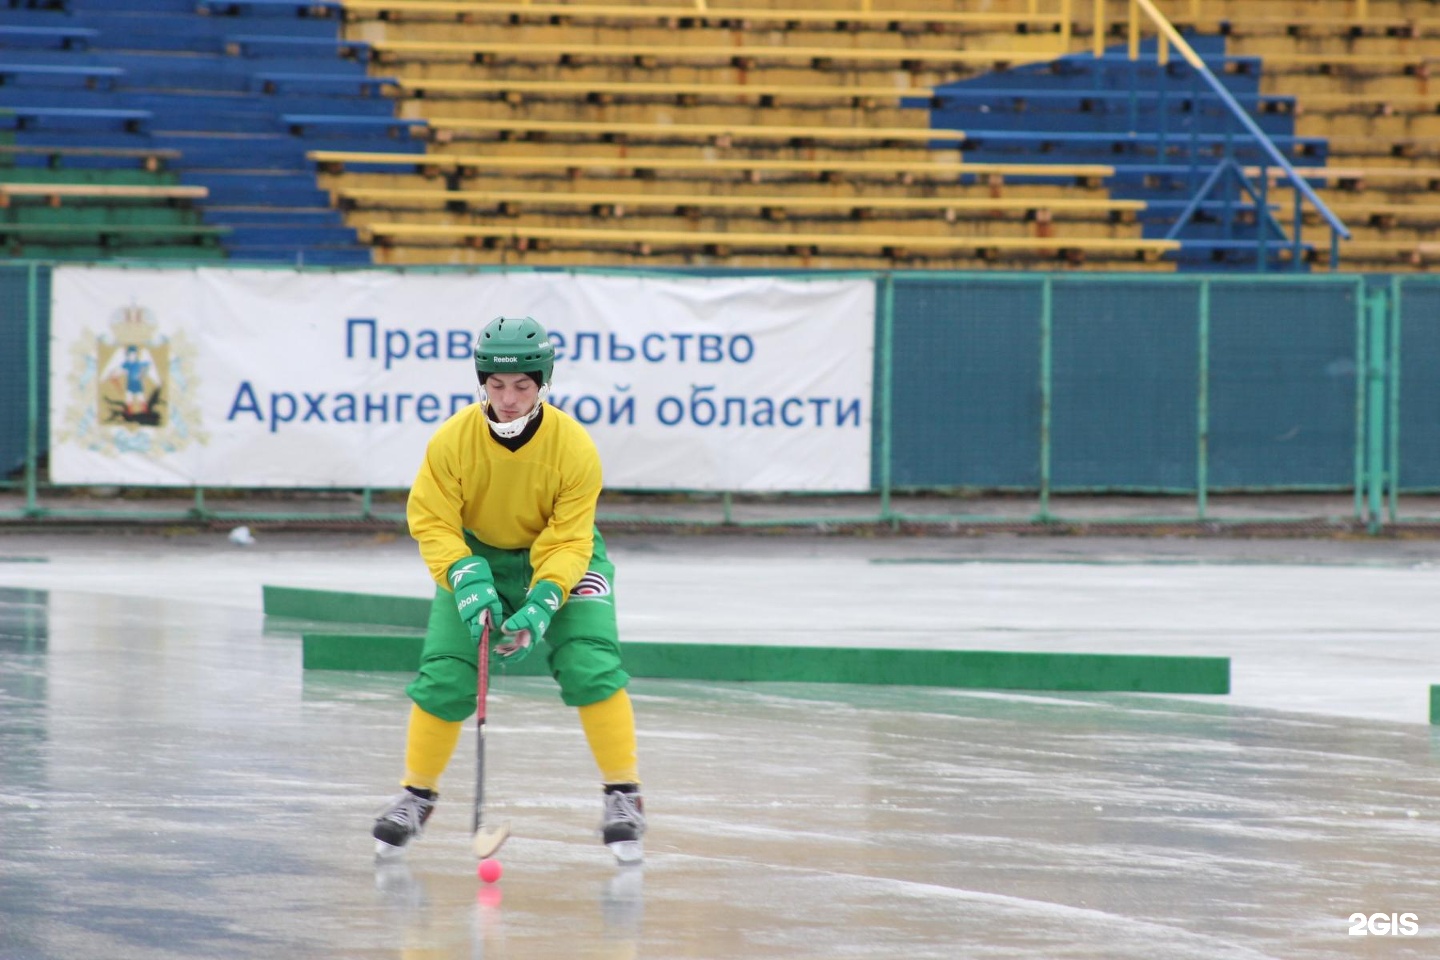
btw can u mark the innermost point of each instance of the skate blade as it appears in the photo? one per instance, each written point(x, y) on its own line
point(387, 851)
point(627, 851)
point(488, 839)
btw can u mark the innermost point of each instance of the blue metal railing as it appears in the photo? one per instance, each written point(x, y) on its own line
point(1265, 221)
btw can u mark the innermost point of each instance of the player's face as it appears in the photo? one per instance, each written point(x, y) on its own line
point(512, 395)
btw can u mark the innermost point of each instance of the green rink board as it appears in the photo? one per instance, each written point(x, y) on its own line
point(972, 669)
point(1434, 704)
point(336, 607)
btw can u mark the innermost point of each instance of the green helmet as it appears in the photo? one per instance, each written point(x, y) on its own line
point(514, 345)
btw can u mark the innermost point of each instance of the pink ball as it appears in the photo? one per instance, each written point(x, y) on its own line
point(488, 871)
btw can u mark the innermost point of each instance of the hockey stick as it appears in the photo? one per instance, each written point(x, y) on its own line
point(486, 840)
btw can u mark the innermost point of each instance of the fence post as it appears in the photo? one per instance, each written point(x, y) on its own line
point(884, 398)
point(1394, 385)
point(32, 390)
point(1202, 406)
point(1047, 359)
point(1362, 309)
point(1375, 356)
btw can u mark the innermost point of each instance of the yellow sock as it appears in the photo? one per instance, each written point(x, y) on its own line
point(610, 729)
point(428, 745)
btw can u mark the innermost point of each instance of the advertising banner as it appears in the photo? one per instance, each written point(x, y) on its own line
point(279, 378)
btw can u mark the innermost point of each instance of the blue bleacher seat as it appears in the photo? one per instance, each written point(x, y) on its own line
point(278, 151)
point(217, 72)
point(284, 45)
point(86, 156)
point(217, 113)
point(118, 30)
point(278, 189)
point(1116, 71)
point(62, 37)
point(279, 81)
point(353, 255)
point(74, 118)
point(1119, 148)
point(295, 216)
point(187, 104)
point(1103, 110)
point(269, 8)
point(1210, 253)
point(325, 124)
point(212, 72)
point(140, 7)
point(291, 234)
point(59, 74)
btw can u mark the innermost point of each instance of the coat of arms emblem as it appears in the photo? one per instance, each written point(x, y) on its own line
point(132, 388)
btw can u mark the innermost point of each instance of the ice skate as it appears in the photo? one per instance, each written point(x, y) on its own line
point(624, 822)
point(403, 821)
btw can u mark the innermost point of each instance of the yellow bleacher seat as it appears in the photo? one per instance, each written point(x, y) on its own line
point(722, 242)
point(472, 164)
point(771, 206)
point(445, 128)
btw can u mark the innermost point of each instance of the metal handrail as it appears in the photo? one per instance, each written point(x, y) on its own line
point(1248, 122)
point(1169, 36)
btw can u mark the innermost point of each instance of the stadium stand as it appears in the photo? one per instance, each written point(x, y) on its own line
point(1362, 85)
point(332, 131)
point(852, 17)
point(224, 98)
point(102, 213)
point(665, 134)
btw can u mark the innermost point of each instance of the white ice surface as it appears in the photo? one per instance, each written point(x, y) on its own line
point(1343, 639)
point(174, 785)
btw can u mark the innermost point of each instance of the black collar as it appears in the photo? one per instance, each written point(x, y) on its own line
point(515, 443)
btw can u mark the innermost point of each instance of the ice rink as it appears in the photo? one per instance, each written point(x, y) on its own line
point(174, 785)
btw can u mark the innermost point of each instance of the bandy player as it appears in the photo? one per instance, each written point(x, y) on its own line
point(503, 508)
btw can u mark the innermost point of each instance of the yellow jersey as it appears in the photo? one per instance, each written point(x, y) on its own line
point(541, 496)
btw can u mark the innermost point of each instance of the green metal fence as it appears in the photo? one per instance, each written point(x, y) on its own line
point(1032, 387)
point(24, 354)
point(1411, 349)
point(1106, 383)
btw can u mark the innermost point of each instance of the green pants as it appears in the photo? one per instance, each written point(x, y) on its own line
point(582, 645)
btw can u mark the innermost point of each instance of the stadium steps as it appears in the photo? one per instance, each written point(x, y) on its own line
point(216, 82)
point(100, 213)
point(1364, 87)
point(432, 84)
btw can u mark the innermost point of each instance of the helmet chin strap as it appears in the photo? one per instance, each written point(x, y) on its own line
point(513, 429)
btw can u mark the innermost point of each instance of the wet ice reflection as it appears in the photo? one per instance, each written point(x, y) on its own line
point(173, 785)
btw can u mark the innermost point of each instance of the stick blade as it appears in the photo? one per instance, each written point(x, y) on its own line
point(488, 839)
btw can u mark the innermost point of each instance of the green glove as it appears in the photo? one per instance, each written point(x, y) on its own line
point(527, 628)
point(475, 594)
